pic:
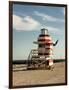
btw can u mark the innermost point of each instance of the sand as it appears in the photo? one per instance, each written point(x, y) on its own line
point(21, 76)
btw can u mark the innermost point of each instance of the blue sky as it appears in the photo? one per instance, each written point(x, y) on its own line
point(28, 20)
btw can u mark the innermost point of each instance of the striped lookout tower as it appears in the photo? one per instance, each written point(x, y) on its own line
point(44, 52)
point(45, 46)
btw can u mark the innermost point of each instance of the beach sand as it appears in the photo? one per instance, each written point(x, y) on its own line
point(21, 76)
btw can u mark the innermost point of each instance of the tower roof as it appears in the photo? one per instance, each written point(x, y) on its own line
point(44, 31)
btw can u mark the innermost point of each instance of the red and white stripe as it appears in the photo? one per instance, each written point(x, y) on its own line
point(45, 37)
point(45, 42)
point(49, 47)
point(47, 51)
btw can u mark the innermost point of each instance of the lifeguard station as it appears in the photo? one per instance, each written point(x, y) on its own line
point(42, 56)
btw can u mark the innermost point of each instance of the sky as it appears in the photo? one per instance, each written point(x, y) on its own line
point(28, 20)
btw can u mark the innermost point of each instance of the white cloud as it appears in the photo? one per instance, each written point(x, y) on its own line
point(47, 17)
point(26, 23)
